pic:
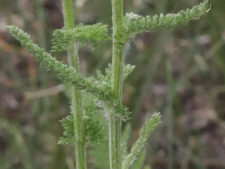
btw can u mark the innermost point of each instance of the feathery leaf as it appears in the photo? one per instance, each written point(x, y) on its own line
point(68, 74)
point(80, 34)
point(68, 133)
point(148, 127)
point(106, 76)
point(92, 126)
point(62, 71)
point(134, 23)
point(128, 69)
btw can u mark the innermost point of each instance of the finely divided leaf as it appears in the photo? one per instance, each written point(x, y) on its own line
point(68, 133)
point(92, 130)
point(134, 23)
point(62, 71)
point(79, 34)
point(128, 69)
point(93, 127)
point(68, 74)
point(148, 127)
point(106, 76)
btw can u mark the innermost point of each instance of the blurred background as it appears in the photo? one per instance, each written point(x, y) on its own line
point(180, 72)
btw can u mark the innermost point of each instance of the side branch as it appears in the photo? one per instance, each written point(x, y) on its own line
point(81, 34)
point(148, 127)
point(68, 74)
point(134, 24)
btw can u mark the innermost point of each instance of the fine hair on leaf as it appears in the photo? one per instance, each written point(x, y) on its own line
point(102, 95)
point(148, 127)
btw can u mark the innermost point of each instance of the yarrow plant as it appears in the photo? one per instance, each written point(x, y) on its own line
point(81, 127)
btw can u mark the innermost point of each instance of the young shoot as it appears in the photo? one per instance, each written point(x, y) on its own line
point(103, 93)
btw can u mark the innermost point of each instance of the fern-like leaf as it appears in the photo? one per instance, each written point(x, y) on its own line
point(80, 34)
point(134, 23)
point(68, 74)
point(107, 76)
point(148, 127)
point(68, 130)
point(93, 127)
point(128, 69)
point(92, 130)
point(62, 71)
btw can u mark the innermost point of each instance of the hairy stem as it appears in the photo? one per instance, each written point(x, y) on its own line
point(117, 84)
point(76, 101)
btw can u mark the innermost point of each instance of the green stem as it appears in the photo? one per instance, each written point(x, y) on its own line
point(76, 101)
point(117, 84)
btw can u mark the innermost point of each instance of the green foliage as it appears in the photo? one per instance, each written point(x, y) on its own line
point(148, 127)
point(139, 163)
point(107, 75)
point(93, 127)
point(108, 85)
point(62, 71)
point(134, 24)
point(68, 132)
point(127, 70)
point(80, 34)
point(68, 74)
point(100, 160)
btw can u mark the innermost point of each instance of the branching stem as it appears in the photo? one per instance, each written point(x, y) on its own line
point(123, 28)
point(76, 101)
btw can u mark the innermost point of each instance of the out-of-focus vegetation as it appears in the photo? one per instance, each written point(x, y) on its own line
point(180, 72)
